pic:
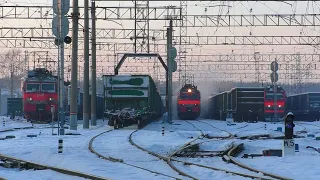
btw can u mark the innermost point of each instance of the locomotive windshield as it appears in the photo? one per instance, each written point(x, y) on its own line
point(271, 96)
point(192, 96)
point(33, 87)
point(48, 87)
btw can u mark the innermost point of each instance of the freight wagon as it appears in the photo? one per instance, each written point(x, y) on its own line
point(99, 106)
point(219, 105)
point(247, 104)
point(131, 99)
point(14, 107)
point(305, 107)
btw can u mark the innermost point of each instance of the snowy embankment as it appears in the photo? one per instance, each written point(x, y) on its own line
point(76, 156)
point(175, 136)
point(303, 165)
point(116, 144)
point(7, 124)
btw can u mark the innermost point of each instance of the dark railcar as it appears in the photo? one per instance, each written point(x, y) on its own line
point(14, 107)
point(305, 107)
point(219, 105)
point(247, 104)
point(99, 107)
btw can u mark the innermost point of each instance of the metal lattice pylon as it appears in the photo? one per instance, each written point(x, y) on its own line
point(141, 27)
point(183, 39)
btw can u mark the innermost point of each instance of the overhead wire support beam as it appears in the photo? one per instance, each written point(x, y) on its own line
point(216, 67)
point(12, 33)
point(167, 13)
point(253, 20)
point(102, 13)
point(160, 47)
point(265, 76)
point(159, 34)
point(194, 0)
point(45, 33)
point(196, 58)
point(252, 40)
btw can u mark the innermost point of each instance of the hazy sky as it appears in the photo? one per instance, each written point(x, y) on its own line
point(197, 8)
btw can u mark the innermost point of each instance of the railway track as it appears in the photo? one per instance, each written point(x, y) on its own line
point(230, 158)
point(114, 159)
point(37, 166)
point(169, 158)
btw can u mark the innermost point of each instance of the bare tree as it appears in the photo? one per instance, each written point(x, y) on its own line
point(12, 69)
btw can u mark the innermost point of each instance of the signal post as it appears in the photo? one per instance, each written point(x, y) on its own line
point(60, 29)
point(274, 66)
point(288, 142)
point(172, 67)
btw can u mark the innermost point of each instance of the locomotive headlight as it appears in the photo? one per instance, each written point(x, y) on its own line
point(279, 105)
point(51, 99)
point(189, 90)
point(269, 105)
point(29, 99)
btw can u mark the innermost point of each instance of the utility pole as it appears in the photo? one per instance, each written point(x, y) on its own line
point(86, 67)
point(62, 105)
point(74, 78)
point(11, 78)
point(93, 65)
point(169, 73)
point(26, 62)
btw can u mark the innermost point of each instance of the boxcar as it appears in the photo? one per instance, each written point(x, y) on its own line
point(305, 107)
point(219, 105)
point(247, 104)
point(99, 106)
point(136, 96)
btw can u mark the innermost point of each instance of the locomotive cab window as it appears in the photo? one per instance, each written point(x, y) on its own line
point(33, 87)
point(49, 87)
point(271, 96)
point(189, 96)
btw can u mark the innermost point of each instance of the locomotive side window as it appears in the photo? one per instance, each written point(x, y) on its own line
point(49, 87)
point(33, 87)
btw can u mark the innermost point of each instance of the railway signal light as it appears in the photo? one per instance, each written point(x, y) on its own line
point(173, 55)
point(289, 125)
point(67, 39)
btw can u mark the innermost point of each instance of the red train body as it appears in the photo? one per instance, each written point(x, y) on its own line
point(188, 102)
point(269, 102)
point(40, 92)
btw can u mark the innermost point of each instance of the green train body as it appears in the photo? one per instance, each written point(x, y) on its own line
point(131, 99)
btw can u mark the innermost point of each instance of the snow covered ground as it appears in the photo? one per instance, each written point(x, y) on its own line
point(34, 175)
point(76, 156)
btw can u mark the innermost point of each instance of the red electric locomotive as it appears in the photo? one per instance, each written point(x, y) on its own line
point(40, 91)
point(274, 99)
point(188, 103)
